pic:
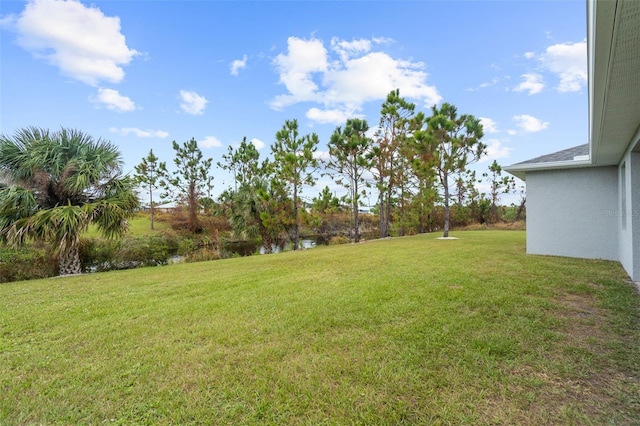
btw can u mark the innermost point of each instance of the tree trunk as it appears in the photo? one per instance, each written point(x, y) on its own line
point(151, 204)
point(387, 217)
point(69, 262)
point(381, 229)
point(381, 212)
point(521, 209)
point(445, 183)
point(356, 225)
point(402, 218)
point(296, 230)
point(267, 242)
point(194, 225)
point(494, 213)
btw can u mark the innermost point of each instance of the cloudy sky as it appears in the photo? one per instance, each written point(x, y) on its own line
point(144, 73)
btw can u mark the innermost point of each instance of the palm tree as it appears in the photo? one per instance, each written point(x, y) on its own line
point(58, 184)
point(257, 211)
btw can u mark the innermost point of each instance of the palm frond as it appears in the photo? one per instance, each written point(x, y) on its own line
point(65, 180)
point(112, 212)
point(15, 203)
point(61, 226)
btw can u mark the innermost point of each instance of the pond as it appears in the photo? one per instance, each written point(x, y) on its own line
point(247, 248)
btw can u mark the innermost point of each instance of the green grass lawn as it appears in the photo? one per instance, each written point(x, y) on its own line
point(408, 330)
point(139, 225)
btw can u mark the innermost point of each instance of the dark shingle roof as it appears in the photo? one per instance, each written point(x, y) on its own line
point(564, 155)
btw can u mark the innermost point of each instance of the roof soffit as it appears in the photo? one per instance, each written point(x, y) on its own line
point(614, 78)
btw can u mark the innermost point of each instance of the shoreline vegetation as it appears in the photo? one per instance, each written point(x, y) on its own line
point(170, 242)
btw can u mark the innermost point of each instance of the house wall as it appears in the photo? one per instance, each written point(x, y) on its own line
point(573, 212)
point(629, 218)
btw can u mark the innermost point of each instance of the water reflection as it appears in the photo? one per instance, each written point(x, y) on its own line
point(275, 248)
point(248, 248)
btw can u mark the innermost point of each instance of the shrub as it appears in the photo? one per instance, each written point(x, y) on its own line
point(202, 255)
point(142, 251)
point(26, 264)
point(97, 254)
point(340, 239)
point(131, 252)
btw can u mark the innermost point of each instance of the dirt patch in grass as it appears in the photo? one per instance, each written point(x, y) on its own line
point(579, 380)
point(601, 381)
point(586, 324)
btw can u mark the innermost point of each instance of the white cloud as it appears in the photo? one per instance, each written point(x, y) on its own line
point(296, 69)
point(489, 125)
point(342, 83)
point(347, 49)
point(210, 142)
point(493, 82)
point(373, 76)
point(533, 83)
point(321, 155)
point(382, 40)
point(371, 133)
point(569, 62)
point(529, 55)
point(258, 143)
point(328, 116)
point(238, 64)
point(495, 150)
point(81, 41)
point(113, 100)
point(192, 103)
point(529, 124)
point(125, 131)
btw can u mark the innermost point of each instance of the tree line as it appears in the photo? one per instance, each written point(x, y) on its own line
point(54, 184)
point(413, 161)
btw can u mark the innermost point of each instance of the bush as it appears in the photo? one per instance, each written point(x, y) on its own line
point(204, 247)
point(178, 220)
point(26, 264)
point(340, 239)
point(143, 251)
point(99, 255)
point(202, 255)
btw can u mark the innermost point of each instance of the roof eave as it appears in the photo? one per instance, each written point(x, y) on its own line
point(520, 170)
point(600, 20)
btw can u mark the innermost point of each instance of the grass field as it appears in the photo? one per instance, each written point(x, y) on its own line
point(139, 225)
point(409, 330)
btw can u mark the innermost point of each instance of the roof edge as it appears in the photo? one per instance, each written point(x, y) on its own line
point(520, 170)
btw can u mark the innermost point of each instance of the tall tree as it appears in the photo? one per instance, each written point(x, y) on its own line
point(455, 141)
point(422, 162)
point(252, 214)
point(348, 159)
point(295, 165)
point(521, 207)
point(148, 173)
point(190, 179)
point(326, 201)
point(254, 205)
point(499, 185)
point(387, 163)
point(59, 183)
point(242, 162)
point(275, 210)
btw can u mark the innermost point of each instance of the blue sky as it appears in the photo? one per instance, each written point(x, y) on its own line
point(144, 73)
